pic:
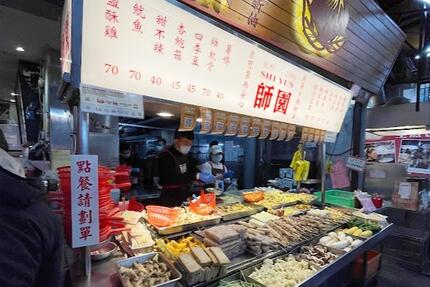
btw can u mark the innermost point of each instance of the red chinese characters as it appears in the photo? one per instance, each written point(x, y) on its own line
point(84, 198)
point(212, 53)
point(139, 13)
point(197, 48)
point(263, 96)
point(179, 43)
point(227, 54)
point(245, 84)
point(159, 34)
point(256, 9)
point(282, 101)
point(112, 19)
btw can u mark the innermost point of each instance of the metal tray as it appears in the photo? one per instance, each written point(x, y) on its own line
point(248, 271)
point(187, 227)
point(277, 206)
point(146, 257)
point(245, 213)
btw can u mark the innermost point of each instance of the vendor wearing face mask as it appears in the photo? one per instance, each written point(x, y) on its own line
point(176, 170)
point(215, 166)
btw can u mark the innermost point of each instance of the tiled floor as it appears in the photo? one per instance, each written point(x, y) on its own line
point(392, 274)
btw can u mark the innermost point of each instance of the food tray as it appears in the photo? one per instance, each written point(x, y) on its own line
point(143, 258)
point(277, 206)
point(248, 271)
point(187, 227)
point(245, 213)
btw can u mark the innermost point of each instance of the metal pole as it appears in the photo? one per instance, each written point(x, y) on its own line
point(322, 147)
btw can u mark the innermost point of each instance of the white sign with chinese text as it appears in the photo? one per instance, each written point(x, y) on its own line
point(108, 102)
point(66, 38)
point(85, 200)
point(156, 49)
point(356, 164)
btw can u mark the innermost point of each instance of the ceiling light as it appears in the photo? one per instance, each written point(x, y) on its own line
point(14, 94)
point(20, 49)
point(12, 101)
point(199, 120)
point(165, 115)
point(417, 57)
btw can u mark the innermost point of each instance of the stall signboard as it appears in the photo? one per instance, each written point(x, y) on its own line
point(113, 103)
point(157, 49)
point(353, 39)
point(85, 200)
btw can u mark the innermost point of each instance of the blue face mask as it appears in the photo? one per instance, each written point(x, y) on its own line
point(217, 158)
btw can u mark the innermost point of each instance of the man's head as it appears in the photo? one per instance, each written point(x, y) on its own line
point(184, 141)
point(124, 150)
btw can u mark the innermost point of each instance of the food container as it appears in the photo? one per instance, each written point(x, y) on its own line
point(128, 263)
point(105, 251)
point(253, 209)
point(248, 271)
point(187, 227)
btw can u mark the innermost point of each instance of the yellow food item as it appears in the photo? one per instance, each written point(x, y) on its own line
point(367, 233)
point(352, 230)
point(358, 232)
point(184, 245)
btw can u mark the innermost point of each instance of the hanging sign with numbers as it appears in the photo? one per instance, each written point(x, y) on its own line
point(157, 49)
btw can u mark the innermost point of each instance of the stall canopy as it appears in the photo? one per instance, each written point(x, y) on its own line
point(355, 40)
point(162, 49)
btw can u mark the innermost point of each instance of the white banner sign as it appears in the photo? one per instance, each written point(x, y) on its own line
point(85, 200)
point(153, 48)
point(66, 38)
point(108, 102)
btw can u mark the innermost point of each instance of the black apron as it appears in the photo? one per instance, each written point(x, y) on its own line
point(175, 194)
point(217, 171)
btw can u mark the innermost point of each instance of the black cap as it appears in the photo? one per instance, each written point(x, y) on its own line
point(187, 135)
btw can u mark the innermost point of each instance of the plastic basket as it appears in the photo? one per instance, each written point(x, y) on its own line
point(338, 197)
point(204, 205)
point(161, 216)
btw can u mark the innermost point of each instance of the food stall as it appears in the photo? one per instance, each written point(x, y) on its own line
point(126, 55)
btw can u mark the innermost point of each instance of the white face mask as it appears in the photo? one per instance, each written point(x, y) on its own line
point(184, 149)
point(217, 158)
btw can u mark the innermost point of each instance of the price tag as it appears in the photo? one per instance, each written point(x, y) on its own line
point(405, 190)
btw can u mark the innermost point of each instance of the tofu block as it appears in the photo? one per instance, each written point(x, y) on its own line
point(189, 263)
point(220, 256)
point(201, 257)
point(211, 256)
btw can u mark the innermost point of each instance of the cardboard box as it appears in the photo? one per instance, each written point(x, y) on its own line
point(406, 196)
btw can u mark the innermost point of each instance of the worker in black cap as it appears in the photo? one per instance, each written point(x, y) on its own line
point(176, 170)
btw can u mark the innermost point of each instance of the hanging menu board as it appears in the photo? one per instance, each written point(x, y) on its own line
point(156, 49)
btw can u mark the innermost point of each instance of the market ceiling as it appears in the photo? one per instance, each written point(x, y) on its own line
point(33, 25)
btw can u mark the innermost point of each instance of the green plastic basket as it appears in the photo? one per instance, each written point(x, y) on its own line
point(338, 197)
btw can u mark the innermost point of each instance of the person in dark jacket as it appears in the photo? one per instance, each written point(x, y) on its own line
point(31, 238)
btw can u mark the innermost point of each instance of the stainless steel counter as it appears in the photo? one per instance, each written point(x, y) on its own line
point(104, 273)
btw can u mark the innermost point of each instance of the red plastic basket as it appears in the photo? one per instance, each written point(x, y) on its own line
point(204, 204)
point(161, 216)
